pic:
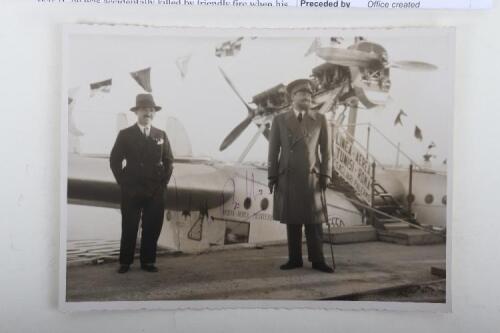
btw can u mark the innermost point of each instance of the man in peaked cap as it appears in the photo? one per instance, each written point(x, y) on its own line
point(143, 180)
point(299, 169)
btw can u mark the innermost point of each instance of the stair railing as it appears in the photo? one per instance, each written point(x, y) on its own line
point(379, 132)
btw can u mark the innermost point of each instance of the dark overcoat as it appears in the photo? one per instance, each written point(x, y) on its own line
point(298, 153)
point(149, 160)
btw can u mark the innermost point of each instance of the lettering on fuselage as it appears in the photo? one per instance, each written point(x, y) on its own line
point(249, 201)
point(246, 215)
point(228, 212)
point(263, 216)
point(336, 222)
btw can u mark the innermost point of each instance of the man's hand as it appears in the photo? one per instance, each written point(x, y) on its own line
point(273, 182)
point(323, 182)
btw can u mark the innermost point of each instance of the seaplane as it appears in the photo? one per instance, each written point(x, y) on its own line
point(214, 204)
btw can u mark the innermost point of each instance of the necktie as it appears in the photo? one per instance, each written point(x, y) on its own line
point(300, 117)
point(146, 132)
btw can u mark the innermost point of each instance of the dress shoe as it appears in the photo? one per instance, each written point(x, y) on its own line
point(322, 267)
point(149, 268)
point(123, 269)
point(291, 265)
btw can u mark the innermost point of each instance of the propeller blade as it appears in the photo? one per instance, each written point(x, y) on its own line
point(252, 142)
point(346, 57)
point(250, 110)
point(236, 132)
point(413, 65)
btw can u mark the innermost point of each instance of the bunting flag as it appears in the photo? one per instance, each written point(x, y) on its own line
point(316, 44)
point(73, 130)
point(182, 64)
point(336, 40)
point(142, 77)
point(101, 86)
point(398, 118)
point(229, 48)
point(72, 92)
point(418, 133)
point(427, 157)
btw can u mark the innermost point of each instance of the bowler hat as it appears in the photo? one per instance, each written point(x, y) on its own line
point(145, 101)
point(299, 85)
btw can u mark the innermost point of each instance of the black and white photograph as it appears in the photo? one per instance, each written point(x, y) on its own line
point(272, 167)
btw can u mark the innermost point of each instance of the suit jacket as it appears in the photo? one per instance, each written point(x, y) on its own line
point(149, 160)
point(298, 153)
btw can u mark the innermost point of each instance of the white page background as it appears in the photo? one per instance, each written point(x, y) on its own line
point(30, 56)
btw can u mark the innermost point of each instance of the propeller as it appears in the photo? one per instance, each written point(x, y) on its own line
point(236, 132)
point(413, 65)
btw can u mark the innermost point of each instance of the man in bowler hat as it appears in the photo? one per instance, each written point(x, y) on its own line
point(300, 166)
point(143, 181)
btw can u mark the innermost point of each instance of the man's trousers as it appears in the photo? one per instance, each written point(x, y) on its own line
point(314, 239)
point(135, 208)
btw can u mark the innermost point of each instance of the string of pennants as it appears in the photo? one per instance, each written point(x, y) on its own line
point(143, 77)
point(228, 48)
point(418, 135)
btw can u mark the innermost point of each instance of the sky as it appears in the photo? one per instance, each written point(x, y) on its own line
point(208, 109)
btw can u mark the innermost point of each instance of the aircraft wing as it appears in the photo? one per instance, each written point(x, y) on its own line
point(346, 57)
point(195, 184)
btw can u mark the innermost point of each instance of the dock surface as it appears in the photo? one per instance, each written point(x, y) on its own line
point(253, 273)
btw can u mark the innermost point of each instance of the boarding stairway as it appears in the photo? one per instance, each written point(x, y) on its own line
point(383, 202)
point(385, 218)
point(354, 175)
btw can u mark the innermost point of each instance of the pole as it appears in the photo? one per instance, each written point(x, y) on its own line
point(410, 190)
point(325, 212)
point(372, 198)
point(368, 142)
point(351, 120)
point(397, 154)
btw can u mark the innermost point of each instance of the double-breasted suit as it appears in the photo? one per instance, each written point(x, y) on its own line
point(143, 180)
point(299, 152)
